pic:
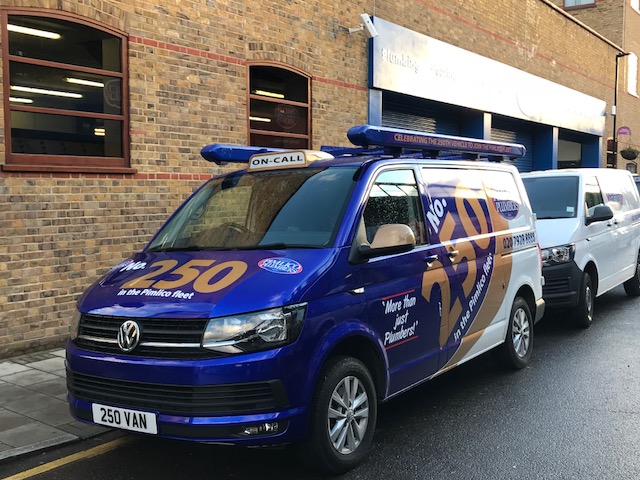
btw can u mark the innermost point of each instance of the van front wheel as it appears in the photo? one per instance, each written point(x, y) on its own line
point(632, 286)
point(517, 346)
point(343, 417)
point(583, 315)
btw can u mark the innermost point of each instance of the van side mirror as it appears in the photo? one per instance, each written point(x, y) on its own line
point(600, 214)
point(389, 239)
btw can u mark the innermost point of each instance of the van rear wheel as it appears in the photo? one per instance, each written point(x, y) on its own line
point(343, 417)
point(583, 315)
point(632, 286)
point(518, 344)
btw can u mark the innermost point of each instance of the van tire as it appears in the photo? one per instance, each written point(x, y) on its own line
point(518, 344)
point(632, 286)
point(319, 450)
point(583, 315)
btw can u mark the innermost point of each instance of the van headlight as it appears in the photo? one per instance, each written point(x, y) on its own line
point(558, 255)
point(74, 323)
point(251, 332)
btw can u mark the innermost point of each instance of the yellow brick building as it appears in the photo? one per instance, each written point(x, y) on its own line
point(85, 181)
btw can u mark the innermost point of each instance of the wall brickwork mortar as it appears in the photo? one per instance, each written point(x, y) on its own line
point(188, 65)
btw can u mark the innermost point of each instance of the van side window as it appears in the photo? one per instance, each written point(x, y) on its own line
point(592, 195)
point(394, 198)
point(618, 193)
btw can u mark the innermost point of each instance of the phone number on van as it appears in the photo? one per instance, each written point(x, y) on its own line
point(519, 240)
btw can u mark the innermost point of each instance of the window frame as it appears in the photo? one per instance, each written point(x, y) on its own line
point(275, 101)
point(632, 74)
point(587, 4)
point(23, 162)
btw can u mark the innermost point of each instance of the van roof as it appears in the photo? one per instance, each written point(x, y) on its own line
point(372, 142)
point(576, 171)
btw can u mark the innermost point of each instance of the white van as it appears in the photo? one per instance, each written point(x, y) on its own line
point(588, 224)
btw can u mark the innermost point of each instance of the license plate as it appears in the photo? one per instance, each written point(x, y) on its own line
point(124, 418)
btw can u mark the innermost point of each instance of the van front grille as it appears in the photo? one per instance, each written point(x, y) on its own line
point(169, 337)
point(200, 400)
point(556, 285)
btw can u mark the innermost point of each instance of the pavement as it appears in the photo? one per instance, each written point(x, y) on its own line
point(34, 414)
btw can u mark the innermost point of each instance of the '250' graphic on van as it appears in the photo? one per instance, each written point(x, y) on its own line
point(465, 271)
point(217, 277)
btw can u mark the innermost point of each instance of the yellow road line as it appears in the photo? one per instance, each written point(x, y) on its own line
point(92, 452)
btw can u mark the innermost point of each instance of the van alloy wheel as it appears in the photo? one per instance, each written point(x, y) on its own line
point(521, 331)
point(343, 417)
point(583, 314)
point(632, 286)
point(348, 415)
point(515, 352)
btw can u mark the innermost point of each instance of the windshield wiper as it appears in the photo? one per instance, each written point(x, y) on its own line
point(186, 248)
point(281, 246)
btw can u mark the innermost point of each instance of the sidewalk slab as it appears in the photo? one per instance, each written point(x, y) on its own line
point(34, 414)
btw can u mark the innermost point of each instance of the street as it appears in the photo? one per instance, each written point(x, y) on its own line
point(573, 413)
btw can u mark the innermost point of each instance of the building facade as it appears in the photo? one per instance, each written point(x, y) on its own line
point(107, 104)
point(618, 21)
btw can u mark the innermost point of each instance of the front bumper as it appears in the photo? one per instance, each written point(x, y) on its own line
point(215, 400)
point(561, 285)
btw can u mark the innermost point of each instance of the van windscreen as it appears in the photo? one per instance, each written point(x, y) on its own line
point(553, 197)
point(288, 208)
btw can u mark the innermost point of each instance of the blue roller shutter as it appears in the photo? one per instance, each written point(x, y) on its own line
point(503, 131)
point(402, 111)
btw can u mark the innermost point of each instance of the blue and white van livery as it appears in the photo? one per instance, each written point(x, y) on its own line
point(283, 302)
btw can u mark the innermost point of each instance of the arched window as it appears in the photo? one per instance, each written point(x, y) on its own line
point(279, 107)
point(65, 94)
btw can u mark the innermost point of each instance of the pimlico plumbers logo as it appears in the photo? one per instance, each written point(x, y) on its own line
point(281, 265)
point(508, 209)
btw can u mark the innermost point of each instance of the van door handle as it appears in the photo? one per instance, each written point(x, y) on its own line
point(430, 259)
point(453, 253)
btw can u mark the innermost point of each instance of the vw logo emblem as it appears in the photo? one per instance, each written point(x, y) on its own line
point(128, 335)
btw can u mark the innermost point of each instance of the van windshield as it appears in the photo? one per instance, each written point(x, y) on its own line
point(553, 197)
point(292, 208)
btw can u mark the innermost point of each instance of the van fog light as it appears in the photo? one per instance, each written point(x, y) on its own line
point(267, 428)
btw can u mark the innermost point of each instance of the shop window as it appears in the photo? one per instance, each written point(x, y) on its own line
point(279, 107)
point(65, 81)
point(632, 74)
point(578, 3)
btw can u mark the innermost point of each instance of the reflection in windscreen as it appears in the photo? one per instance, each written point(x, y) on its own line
point(553, 197)
point(293, 208)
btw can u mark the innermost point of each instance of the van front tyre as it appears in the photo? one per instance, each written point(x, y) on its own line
point(632, 286)
point(518, 344)
point(583, 315)
point(343, 417)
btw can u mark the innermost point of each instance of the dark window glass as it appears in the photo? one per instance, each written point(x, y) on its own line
point(394, 198)
point(278, 104)
point(53, 39)
point(253, 211)
point(43, 134)
point(278, 117)
point(278, 142)
point(66, 89)
point(553, 197)
point(278, 83)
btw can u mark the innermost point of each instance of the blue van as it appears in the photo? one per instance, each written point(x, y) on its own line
point(283, 302)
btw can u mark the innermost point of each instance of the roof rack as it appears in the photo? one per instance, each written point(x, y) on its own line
point(376, 140)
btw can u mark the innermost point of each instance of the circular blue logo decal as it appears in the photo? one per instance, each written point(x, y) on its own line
point(282, 265)
point(507, 208)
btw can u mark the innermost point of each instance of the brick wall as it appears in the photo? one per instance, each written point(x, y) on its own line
point(187, 65)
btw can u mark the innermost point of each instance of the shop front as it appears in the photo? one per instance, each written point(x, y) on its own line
point(421, 83)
